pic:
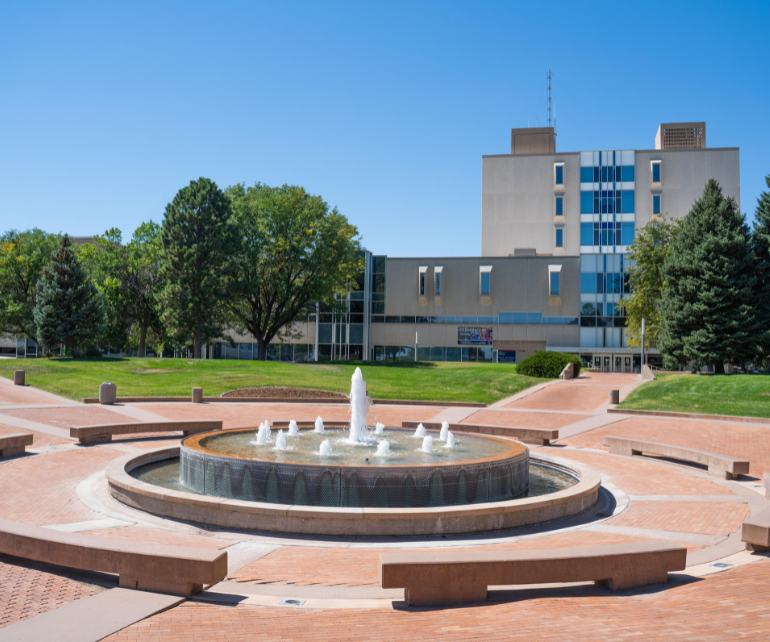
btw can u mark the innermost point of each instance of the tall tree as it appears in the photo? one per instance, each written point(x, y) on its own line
point(761, 238)
point(707, 312)
point(69, 308)
point(23, 255)
point(128, 276)
point(647, 253)
point(294, 251)
point(197, 242)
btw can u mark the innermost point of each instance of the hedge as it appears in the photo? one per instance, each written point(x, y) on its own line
point(548, 365)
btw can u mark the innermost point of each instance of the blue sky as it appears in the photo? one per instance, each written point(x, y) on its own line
point(384, 109)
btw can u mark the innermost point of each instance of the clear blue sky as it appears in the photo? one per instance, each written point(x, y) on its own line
point(384, 109)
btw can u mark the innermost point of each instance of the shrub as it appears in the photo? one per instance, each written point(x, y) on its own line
point(548, 365)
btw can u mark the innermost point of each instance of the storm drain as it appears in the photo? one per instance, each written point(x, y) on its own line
point(291, 602)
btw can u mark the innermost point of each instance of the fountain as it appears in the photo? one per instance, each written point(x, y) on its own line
point(326, 448)
point(293, 429)
point(319, 425)
point(427, 444)
point(420, 432)
point(263, 434)
point(383, 449)
point(280, 441)
point(450, 440)
point(444, 431)
point(359, 409)
point(379, 429)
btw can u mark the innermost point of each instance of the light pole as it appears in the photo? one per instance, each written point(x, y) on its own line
point(642, 368)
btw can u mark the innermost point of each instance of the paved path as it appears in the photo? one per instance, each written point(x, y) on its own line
point(62, 487)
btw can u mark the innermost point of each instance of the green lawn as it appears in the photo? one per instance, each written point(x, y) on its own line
point(77, 378)
point(744, 395)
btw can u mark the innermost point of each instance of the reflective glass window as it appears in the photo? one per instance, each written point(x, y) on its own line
point(520, 318)
point(559, 206)
point(586, 234)
point(438, 283)
point(534, 318)
point(559, 237)
point(422, 283)
point(560, 175)
point(505, 317)
point(628, 234)
point(485, 283)
point(628, 202)
point(656, 172)
point(586, 202)
point(656, 204)
point(554, 284)
point(586, 174)
point(627, 173)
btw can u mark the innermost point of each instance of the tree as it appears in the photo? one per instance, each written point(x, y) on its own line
point(197, 242)
point(707, 313)
point(294, 251)
point(128, 276)
point(761, 239)
point(69, 308)
point(23, 255)
point(647, 255)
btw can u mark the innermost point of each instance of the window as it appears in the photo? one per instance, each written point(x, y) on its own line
point(628, 202)
point(627, 173)
point(586, 234)
point(627, 234)
point(554, 284)
point(588, 283)
point(586, 174)
point(422, 283)
point(485, 284)
point(656, 204)
point(586, 202)
point(559, 237)
point(656, 172)
point(438, 284)
point(559, 206)
point(560, 174)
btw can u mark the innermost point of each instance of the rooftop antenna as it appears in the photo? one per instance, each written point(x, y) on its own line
point(549, 100)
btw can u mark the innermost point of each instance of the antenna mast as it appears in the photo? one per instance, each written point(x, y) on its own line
point(549, 97)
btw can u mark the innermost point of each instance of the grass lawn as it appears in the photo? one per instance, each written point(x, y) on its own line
point(77, 378)
point(744, 395)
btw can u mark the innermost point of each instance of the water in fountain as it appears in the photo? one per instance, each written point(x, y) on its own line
point(319, 425)
point(280, 441)
point(444, 431)
point(383, 449)
point(420, 432)
point(326, 448)
point(263, 435)
point(293, 429)
point(359, 408)
point(379, 429)
point(427, 444)
point(450, 440)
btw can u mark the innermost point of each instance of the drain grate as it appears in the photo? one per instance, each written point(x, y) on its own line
point(291, 602)
point(720, 565)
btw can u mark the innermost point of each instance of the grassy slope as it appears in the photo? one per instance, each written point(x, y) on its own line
point(744, 395)
point(165, 377)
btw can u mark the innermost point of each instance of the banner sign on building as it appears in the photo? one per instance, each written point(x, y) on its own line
point(506, 356)
point(474, 336)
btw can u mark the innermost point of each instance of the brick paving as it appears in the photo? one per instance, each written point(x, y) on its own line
point(707, 518)
point(22, 395)
point(69, 416)
point(737, 440)
point(565, 396)
point(150, 535)
point(27, 591)
point(733, 605)
point(38, 438)
point(543, 420)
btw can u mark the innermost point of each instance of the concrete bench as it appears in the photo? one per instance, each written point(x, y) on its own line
point(15, 444)
point(433, 578)
point(721, 465)
point(102, 434)
point(534, 436)
point(756, 531)
point(180, 570)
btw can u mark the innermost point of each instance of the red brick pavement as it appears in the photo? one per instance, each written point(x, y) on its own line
point(708, 518)
point(26, 591)
point(252, 415)
point(565, 396)
point(748, 442)
point(733, 605)
point(41, 490)
point(543, 420)
point(38, 438)
point(159, 536)
point(69, 416)
point(20, 395)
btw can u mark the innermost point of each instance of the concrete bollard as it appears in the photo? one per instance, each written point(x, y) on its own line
point(614, 397)
point(197, 396)
point(108, 393)
point(18, 378)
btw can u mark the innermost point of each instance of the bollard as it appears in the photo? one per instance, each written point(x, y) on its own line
point(614, 397)
point(108, 393)
point(197, 396)
point(18, 378)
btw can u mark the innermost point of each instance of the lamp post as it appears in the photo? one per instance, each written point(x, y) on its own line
point(642, 344)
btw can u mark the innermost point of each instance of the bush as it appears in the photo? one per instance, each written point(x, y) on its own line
point(548, 365)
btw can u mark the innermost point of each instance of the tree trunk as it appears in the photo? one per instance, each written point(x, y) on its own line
point(196, 344)
point(261, 349)
point(142, 340)
point(719, 367)
point(75, 352)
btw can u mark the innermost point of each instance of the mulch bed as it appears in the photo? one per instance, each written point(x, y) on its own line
point(284, 392)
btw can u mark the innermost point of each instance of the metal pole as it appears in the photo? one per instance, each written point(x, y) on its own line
point(317, 316)
point(415, 345)
point(642, 344)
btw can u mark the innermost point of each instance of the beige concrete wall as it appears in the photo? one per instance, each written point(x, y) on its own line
point(683, 174)
point(518, 203)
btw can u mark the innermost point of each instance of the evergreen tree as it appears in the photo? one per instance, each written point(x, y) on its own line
point(761, 238)
point(69, 309)
point(707, 312)
point(197, 241)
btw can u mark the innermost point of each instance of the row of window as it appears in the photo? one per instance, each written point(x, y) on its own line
point(604, 283)
point(607, 202)
point(602, 309)
point(609, 233)
point(504, 318)
point(406, 353)
point(616, 174)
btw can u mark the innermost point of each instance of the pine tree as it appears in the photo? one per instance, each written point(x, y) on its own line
point(761, 239)
point(197, 241)
point(69, 309)
point(707, 312)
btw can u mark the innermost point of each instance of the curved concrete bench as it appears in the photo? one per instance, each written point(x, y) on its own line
point(756, 532)
point(534, 436)
point(102, 434)
point(180, 570)
point(15, 444)
point(718, 464)
point(445, 577)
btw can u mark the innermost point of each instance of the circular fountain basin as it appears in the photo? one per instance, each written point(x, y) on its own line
point(478, 469)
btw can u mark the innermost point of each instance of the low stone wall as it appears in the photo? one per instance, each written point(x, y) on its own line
point(232, 513)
